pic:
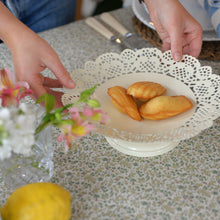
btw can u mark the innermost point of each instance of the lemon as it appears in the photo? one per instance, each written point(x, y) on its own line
point(38, 201)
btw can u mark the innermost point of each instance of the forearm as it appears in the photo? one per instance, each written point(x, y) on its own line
point(168, 15)
point(11, 29)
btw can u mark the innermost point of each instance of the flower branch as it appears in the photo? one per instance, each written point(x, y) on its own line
point(74, 120)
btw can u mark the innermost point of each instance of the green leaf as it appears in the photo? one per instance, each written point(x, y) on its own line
point(67, 122)
point(46, 121)
point(93, 103)
point(86, 94)
point(48, 116)
point(61, 109)
point(58, 116)
point(42, 126)
point(49, 101)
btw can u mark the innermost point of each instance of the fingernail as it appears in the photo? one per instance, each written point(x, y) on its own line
point(177, 56)
point(71, 83)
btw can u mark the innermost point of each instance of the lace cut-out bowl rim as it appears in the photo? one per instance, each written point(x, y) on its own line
point(199, 80)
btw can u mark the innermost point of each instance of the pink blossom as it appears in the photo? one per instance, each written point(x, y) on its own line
point(66, 135)
point(70, 133)
point(96, 115)
point(104, 117)
point(74, 113)
point(88, 112)
point(10, 91)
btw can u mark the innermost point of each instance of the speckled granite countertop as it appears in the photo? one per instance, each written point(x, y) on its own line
point(106, 184)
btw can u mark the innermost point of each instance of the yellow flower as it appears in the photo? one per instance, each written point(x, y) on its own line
point(79, 130)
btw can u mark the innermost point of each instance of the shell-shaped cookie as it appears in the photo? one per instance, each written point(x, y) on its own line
point(145, 90)
point(162, 107)
point(124, 102)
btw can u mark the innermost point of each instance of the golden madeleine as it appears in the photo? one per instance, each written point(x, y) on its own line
point(124, 102)
point(162, 107)
point(145, 90)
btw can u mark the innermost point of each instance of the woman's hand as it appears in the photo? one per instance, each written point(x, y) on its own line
point(178, 30)
point(31, 55)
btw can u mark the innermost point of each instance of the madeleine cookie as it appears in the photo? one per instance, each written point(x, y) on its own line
point(162, 107)
point(124, 102)
point(145, 90)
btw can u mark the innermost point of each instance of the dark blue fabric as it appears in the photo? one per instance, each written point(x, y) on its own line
point(40, 15)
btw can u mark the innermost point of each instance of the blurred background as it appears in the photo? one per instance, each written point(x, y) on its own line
point(88, 8)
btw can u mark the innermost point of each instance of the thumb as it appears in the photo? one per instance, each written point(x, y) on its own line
point(176, 45)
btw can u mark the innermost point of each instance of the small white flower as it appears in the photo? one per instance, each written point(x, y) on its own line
point(5, 150)
point(4, 113)
point(20, 125)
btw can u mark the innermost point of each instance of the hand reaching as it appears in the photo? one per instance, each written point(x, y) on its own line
point(178, 30)
point(31, 55)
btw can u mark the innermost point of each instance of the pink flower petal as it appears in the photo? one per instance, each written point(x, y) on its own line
point(23, 84)
point(7, 79)
point(74, 113)
point(89, 112)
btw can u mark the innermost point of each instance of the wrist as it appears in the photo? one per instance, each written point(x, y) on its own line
point(14, 29)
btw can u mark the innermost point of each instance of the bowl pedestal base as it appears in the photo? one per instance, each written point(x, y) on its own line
point(141, 149)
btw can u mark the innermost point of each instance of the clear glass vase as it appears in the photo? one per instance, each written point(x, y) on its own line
point(19, 170)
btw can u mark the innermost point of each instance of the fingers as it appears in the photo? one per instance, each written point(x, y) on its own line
point(49, 82)
point(55, 65)
point(196, 45)
point(195, 50)
point(185, 43)
point(166, 46)
point(58, 97)
point(186, 49)
point(176, 44)
point(39, 89)
point(56, 94)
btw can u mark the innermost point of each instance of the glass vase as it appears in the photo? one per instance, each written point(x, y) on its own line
point(19, 170)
